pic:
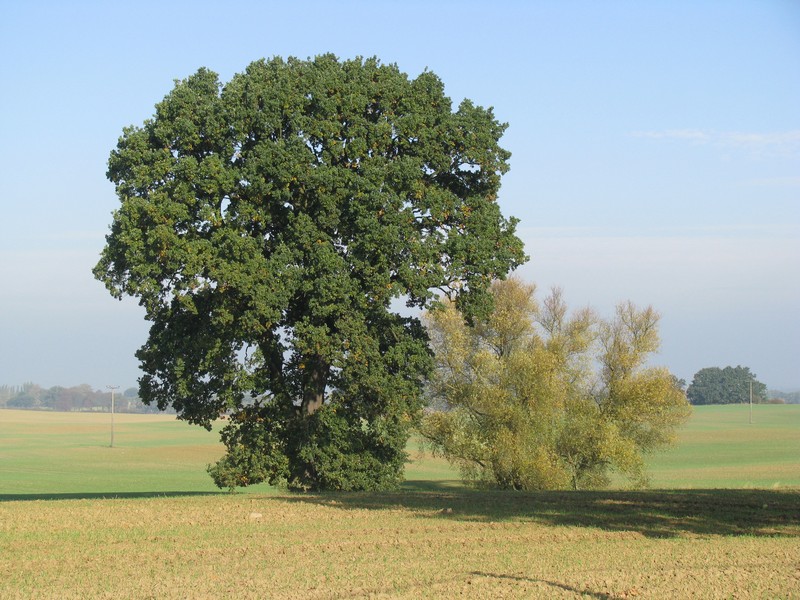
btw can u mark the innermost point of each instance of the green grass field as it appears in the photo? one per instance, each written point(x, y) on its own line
point(79, 519)
point(50, 453)
point(719, 448)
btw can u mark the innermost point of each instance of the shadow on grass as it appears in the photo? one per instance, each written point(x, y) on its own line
point(653, 513)
point(568, 588)
point(101, 495)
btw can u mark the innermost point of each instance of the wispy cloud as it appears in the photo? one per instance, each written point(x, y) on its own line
point(692, 135)
point(774, 181)
point(781, 142)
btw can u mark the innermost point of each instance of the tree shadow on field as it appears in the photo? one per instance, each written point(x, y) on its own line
point(653, 513)
point(562, 586)
point(101, 495)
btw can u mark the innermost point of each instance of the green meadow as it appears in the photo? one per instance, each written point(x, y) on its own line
point(720, 448)
point(79, 519)
point(50, 453)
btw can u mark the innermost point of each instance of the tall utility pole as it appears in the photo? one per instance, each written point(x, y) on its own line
point(751, 402)
point(112, 388)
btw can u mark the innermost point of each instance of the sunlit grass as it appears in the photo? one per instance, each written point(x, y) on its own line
point(720, 448)
point(48, 453)
point(69, 453)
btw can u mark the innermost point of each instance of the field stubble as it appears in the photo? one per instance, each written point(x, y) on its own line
point(405, 545)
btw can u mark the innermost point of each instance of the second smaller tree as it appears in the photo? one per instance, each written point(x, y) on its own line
point(533, 398)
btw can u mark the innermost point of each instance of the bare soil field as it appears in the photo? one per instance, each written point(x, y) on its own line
point(688, 544)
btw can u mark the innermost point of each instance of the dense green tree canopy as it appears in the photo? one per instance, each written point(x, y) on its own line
point(730, 385)
point(266, 226)
point(535, 398)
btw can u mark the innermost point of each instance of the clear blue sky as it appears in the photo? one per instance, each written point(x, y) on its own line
point(656, 154)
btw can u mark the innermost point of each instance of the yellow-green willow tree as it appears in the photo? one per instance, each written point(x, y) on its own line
point(534, 397)
point(267, 224)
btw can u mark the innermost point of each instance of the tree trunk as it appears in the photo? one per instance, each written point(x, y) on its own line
point(314, 385)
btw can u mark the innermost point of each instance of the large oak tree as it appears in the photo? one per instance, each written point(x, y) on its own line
point(268, 227)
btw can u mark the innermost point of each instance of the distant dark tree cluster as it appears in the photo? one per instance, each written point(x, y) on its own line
point(77, 398)
point(730, 385)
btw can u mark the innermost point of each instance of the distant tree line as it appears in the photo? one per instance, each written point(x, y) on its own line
point(77, 398)
point(779, 397)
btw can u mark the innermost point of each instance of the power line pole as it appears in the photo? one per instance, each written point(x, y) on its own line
point(751, 402)
point(112, 388)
